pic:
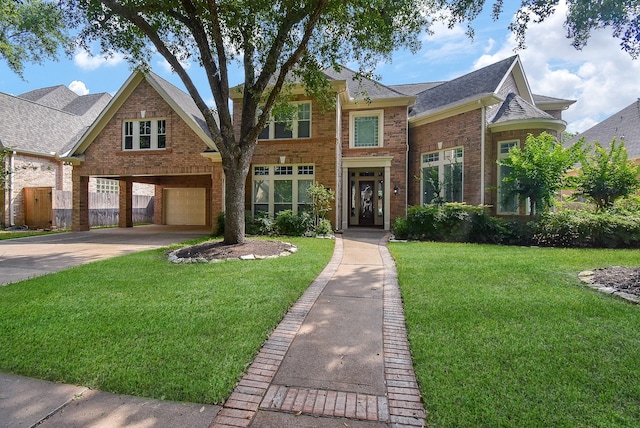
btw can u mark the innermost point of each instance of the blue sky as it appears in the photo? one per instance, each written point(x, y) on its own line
point(601, 77)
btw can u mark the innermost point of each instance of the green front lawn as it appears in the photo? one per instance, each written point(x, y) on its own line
point(141, 325)
point(508, 336)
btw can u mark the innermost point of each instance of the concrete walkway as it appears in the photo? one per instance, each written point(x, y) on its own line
point(339, 358)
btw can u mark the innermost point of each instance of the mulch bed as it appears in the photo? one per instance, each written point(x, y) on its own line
point(220, 250)
point(626, 279)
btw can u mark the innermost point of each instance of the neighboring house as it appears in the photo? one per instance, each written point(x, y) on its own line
point(36, 127)
point(624, 126)
point(381, 148)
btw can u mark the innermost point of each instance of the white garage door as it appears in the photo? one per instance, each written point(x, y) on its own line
point(185, 207)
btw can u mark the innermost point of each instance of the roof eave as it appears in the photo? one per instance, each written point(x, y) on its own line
point(536, 123)
point(359, 104)
point(72, 160)
point(555, 105)
point(454, 109)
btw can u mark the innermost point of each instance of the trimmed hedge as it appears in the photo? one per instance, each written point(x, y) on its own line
point(454, 222)
point(587, 229)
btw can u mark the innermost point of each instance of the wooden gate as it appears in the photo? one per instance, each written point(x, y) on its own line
point(37, 207)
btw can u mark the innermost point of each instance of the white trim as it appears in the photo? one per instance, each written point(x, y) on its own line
point(271, 124)
point(366, 113)
point(366, 162)
point(153, 137)
point(441, 163)
point(499, 178)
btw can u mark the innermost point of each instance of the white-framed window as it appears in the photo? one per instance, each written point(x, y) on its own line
point(442, 176)
point(278, 188)
point(366, 129)
point(144, 134)
point(296, 126)
point(106, 185)
point(507, 204)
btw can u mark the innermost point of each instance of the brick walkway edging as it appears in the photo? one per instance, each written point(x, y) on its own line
point(403, 405)
point(242, 405)
point(405, 402)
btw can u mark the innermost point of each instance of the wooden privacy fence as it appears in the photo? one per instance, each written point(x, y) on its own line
point(103, 209)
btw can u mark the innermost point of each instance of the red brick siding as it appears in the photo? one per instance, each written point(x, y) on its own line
point(463, 130)
point(394, 144)
point(175, 166)
point(319, 150)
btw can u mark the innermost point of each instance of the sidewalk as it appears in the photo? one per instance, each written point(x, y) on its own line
point(339, 358)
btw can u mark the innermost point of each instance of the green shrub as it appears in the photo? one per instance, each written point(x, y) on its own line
point(605, 229)
point(400, 229)
point(324, 228)
point(451, 222)
point(259, 224)
point(294, 223)
point(220, 224)
point(486, 229)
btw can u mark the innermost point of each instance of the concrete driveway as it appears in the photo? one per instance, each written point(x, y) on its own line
point(33, 256)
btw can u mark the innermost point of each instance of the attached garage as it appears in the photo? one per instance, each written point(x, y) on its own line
point(185, 206)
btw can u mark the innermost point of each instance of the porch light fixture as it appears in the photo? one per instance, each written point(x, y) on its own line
point(395, 190)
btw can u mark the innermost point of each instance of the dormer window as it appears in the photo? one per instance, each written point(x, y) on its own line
point(144, 134)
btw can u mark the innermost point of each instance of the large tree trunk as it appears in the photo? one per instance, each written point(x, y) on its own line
point(235, 187)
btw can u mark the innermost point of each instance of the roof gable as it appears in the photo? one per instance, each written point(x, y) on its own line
point(177, 99)
point(474, 85)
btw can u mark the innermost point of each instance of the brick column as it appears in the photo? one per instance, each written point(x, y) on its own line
point(125, 219)
point(80, 213)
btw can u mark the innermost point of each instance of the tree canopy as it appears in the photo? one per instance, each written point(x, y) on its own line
point(606, 175)
point(538, 170)
point(284, 41)
point(30, 31)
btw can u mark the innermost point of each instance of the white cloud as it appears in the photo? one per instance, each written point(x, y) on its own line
point(601, 77)
point(79, 87)
point(86, 61)
point(164, 65)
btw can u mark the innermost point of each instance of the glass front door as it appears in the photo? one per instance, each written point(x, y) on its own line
point(367, 203)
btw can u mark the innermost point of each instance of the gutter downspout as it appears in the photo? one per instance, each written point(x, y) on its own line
point(12, 210)
point(339, 197)
point(406, 170)
point(483, 127)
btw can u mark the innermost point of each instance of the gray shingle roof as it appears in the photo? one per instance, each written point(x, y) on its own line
point(414, 88)
point(183, 100)
point(361, 87)
point(515, 107)
point(54, 96)
point(623, 125)
point(43, 121)
point(472, 85)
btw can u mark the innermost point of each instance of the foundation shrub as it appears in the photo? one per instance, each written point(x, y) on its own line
point(582, 229)
point(450, 222)
point(291, 223)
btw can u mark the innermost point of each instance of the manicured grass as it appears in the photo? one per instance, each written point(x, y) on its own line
point(508, 336)
point(141, 325)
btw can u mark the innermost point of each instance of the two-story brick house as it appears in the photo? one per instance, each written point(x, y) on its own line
point(381, 148)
